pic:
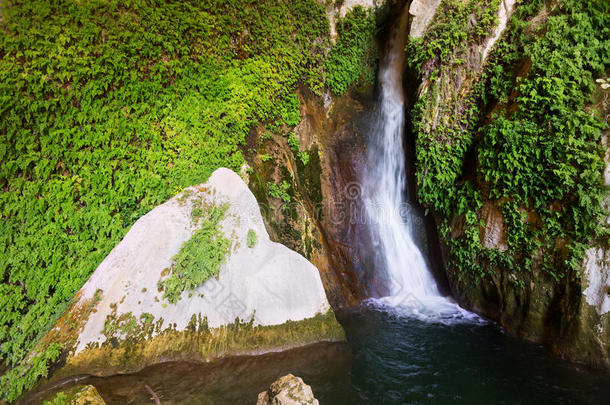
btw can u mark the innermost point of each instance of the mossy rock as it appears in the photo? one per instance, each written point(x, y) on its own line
point(77, 395)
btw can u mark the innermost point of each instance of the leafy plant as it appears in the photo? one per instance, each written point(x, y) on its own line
point(456, 24)
point(279, 191)
point(199, 258)
point(293, 142)
point(352, 57)
point(60, 399)
point(25, 374)
point(534, 150)
point(252, 238)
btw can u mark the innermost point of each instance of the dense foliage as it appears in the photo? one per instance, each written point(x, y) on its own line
point(107, 108)
point(534, 152)
point(200, 257)
point(279, 191)
point(442, 142)
point(353, 56)
point(452, 29)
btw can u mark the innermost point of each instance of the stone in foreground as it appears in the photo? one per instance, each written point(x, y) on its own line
point(79, 395)
point(287, 390)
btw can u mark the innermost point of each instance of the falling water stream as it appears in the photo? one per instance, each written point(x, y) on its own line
point(390, 217)
point(384, 187)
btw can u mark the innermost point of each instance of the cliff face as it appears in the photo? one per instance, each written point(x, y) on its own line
point(319, 164)
point(512, 157)
point(317, 218)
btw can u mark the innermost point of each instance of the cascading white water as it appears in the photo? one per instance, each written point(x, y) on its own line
point(385, 185)
point(391, 219)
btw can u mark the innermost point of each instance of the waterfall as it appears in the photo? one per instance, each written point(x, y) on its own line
point(391, 218)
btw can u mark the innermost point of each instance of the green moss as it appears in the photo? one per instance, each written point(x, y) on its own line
point(199, 342)
point(252, 238)
point(199, 258)
point(77, 395)
point(311, 178)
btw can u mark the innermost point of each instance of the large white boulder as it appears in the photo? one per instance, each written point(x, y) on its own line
point(268, 283)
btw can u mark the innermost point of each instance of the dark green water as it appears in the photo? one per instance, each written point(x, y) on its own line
point(390, 359)
point(398, 360)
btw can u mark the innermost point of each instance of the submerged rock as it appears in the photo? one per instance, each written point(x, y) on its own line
point(265, 296)
point(287, 390)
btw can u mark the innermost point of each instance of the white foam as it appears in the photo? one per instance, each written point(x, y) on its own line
point(432, 309)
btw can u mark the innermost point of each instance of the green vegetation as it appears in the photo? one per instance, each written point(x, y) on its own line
point(451, 31)
point(295, 147)
point(523, 142)
point(293, 142)
point(27, 372)
point(107, 108)
point(279, 191)
point(60, 399)
point(441, 146)
point(353, 57)
point(252, 238)
point(79, 394)
point(199, 258)
point(125, 325)
point(147, 344)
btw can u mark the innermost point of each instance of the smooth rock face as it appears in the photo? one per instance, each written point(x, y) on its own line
point(422, 12)
point(504, 12)
point(494, 235)
point(597, 260)
point(597, 274)
point(268, 284)
point(287, 390)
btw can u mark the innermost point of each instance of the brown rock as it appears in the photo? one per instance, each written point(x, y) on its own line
point(88, 395)
point(494, 235)
point(287, 390)
point(78, 395)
